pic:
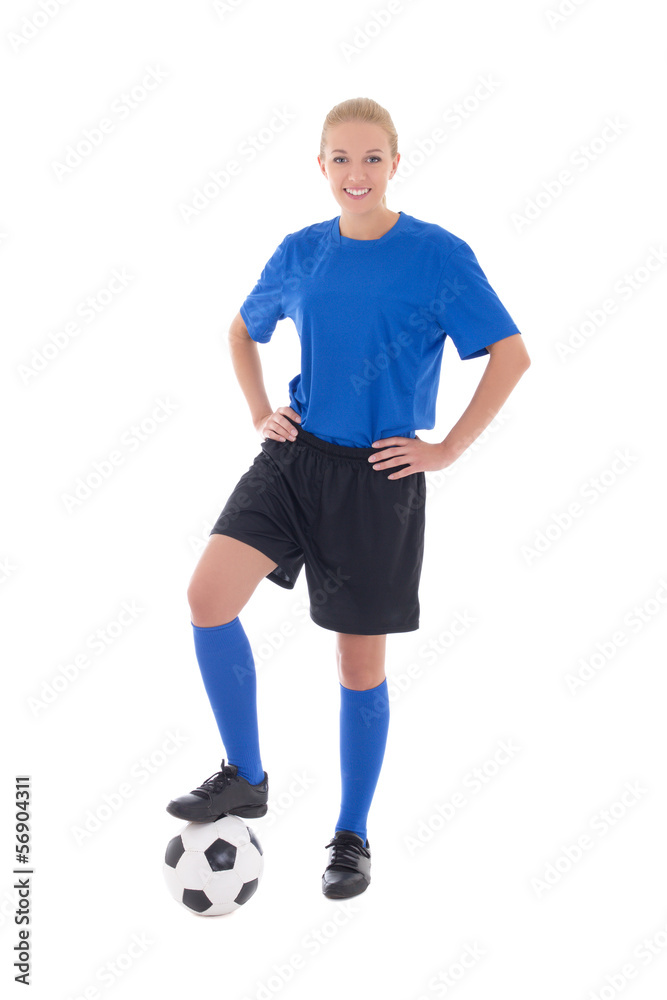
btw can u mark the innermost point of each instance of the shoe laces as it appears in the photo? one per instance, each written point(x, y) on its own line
point(217, 781)
point(345, 853)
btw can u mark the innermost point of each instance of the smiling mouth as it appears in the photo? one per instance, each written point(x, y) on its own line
point(357, 192)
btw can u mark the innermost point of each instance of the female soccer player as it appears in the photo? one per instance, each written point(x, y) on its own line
point(339, 483)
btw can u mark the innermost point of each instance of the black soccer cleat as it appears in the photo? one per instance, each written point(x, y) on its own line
point(225, 793)
point(349, 870)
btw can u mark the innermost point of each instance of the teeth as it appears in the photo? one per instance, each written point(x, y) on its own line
point(357, 190)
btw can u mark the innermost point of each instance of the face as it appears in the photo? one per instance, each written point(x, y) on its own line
point(357, 157)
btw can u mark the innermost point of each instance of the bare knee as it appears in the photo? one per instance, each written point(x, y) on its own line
point(360, 660)
point(206, 609)
point(224, 579)
point(209, 616)
point(358, 680)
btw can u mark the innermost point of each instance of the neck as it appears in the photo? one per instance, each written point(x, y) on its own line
point(370, 226)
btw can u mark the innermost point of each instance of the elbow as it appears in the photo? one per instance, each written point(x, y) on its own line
point(523, 358)
point(238, 331)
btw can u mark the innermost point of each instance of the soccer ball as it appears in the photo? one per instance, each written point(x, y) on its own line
point(213, 868)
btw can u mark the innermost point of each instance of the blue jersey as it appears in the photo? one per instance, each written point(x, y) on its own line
point(372, 317)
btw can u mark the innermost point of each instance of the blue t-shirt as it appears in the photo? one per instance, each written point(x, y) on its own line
point(372, 317)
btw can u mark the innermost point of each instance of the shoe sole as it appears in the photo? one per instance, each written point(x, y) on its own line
point(245, 812)
point(250, 812)
point(344, 895)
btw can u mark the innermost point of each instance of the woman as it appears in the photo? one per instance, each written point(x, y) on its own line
point(339, 483)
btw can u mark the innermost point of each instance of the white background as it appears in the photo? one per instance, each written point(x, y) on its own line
point(473, 883)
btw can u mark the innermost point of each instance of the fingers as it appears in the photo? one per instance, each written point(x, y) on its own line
point(290, 412)
point(289, 432)
point(285, 430)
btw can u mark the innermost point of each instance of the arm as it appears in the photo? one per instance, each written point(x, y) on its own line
point(244, 353)
point(507, 362)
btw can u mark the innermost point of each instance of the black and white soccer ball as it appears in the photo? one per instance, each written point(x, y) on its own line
point(213, 868)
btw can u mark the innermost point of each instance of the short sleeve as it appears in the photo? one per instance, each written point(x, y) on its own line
point(263, 307)
point(467, 308)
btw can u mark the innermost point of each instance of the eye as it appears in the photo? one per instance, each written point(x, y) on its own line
point(337, 158)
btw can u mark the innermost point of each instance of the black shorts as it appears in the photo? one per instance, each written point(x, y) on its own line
point(359, 533)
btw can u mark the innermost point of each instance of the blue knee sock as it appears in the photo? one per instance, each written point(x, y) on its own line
point(228, 671)
point(364, 723)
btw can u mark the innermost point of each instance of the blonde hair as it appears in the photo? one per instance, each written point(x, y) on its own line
point(361, 109)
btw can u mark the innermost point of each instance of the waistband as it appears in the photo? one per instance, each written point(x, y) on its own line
point(329, 448)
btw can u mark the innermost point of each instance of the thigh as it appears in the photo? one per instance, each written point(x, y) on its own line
point(224, 579)
point(270, 508)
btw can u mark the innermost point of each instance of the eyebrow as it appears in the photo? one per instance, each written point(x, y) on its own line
point(367, 151)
